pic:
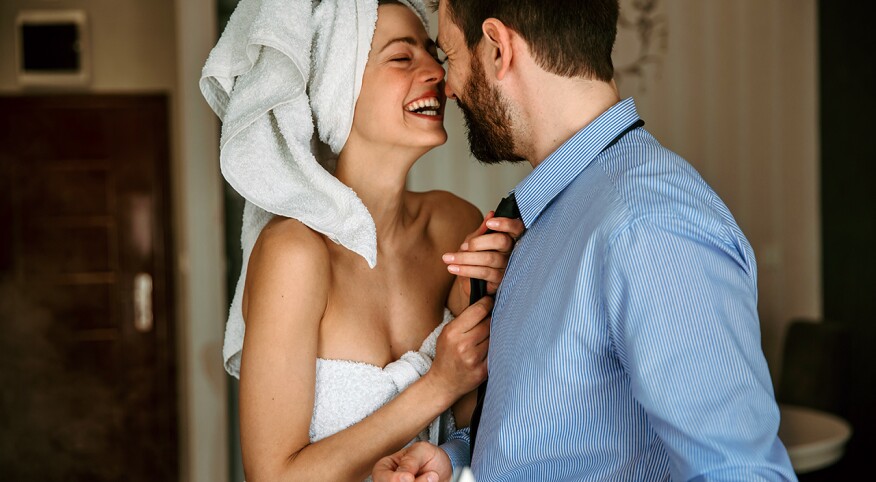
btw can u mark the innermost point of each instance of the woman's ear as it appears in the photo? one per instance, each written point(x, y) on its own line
point(497, 45)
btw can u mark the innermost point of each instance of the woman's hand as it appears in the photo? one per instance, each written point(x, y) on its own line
point(484, 255)
point(461, 354)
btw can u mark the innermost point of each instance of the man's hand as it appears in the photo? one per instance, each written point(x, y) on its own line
point(421, 462)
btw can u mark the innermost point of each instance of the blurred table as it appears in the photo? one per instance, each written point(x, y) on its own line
point(815, 439)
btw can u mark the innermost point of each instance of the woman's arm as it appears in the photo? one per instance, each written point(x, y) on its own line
point(286, 292)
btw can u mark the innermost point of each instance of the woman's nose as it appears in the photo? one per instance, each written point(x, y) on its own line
point(433, 72)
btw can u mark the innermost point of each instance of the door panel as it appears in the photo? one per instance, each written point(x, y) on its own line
point(84, 206)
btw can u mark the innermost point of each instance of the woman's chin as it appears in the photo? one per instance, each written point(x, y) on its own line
point(441, 140)
point(431, 140)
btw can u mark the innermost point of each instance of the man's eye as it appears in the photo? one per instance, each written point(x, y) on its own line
point(439, 56)
point(401, 59)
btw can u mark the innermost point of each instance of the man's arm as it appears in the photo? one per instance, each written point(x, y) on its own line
point(458, 448)
point(682, 310)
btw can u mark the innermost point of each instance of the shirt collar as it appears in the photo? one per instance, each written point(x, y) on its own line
point(543, 184)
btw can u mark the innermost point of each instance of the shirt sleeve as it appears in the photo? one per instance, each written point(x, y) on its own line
point(682, 313)
point(458, 448)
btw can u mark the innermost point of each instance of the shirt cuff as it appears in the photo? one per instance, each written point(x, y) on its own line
point(458, 448)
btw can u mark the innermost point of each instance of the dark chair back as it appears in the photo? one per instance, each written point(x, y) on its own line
point(815, 365)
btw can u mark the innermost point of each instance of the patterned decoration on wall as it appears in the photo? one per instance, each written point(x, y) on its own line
point(641, 43)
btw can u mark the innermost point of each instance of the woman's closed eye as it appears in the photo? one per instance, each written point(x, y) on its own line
point(408, 58)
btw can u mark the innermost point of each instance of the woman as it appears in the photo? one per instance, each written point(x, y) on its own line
point(331, 362)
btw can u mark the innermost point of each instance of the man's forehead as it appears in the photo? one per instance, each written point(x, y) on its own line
point(447, 30)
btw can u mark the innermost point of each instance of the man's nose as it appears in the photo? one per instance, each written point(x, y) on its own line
point(448, 91)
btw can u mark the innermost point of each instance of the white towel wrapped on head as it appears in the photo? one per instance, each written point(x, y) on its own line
point(278, 66)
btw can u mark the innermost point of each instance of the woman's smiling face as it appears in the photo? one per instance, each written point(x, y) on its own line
point(402, 97)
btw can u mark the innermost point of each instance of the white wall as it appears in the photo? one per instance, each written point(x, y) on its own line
point(733, 89)
point(159, 46)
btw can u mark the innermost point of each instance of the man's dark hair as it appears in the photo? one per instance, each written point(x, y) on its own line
point(571, 38)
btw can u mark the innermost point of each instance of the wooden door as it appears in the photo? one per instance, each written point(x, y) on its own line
point(87, 374)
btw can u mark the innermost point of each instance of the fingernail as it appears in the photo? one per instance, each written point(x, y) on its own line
point(453, 269)
point(448, 258)
point(432, 478)
point(464, 247)
point(492, 223)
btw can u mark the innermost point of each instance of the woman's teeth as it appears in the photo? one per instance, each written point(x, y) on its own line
point(424, 106)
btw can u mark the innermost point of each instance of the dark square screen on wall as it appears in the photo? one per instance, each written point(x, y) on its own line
point(52, 47)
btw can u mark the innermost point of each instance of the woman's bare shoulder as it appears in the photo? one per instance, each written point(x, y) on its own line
point(450, 213)
point(288, 256)
point(288, 240)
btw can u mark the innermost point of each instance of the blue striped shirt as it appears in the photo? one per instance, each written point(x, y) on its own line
point(625, 339)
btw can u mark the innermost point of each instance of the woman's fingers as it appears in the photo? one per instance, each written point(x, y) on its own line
point(490, 242)
point(512, 226)
point(482, 228)
point(460, 358)
point(479, 333)
point(492, 288)
point(490, 275)
point(471, 317)
point(486, 259)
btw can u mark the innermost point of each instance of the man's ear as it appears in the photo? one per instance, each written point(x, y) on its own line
point(497, 46)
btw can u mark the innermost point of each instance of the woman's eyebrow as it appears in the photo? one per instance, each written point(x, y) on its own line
point(429, 43)
point(407, 40)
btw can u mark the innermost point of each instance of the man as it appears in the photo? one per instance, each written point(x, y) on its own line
point(625, 339)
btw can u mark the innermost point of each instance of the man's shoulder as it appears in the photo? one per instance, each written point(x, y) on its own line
point(652, 181)
point(656, 188)
point(637, 180)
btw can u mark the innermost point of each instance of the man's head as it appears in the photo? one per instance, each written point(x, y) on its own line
point(566, 38)
point(488, 121)
point(570, 38)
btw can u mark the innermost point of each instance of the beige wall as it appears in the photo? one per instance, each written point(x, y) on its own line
point(735, 93)
point(733, 90)
point(202, 265)
point(135, 50)
point(132, 43)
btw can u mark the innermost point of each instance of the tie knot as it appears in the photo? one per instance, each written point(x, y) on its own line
point(508, 208)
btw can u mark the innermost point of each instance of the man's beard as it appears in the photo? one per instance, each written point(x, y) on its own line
point(487, 120)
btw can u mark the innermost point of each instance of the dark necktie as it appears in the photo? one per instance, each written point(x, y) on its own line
point(507, 209)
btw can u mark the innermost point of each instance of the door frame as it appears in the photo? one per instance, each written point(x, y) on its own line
point(202, 307)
